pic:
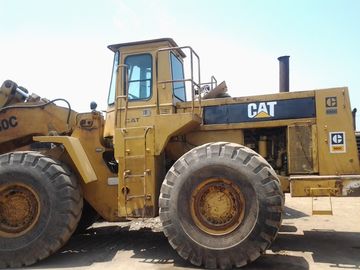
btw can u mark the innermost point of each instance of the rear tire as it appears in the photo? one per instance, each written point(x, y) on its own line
point(40, 206)
point(220, 205)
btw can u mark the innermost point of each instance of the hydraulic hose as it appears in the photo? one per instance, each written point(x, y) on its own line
point(40, 106)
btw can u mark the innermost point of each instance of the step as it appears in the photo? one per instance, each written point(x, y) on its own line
point(323, 193)
point(135, 157)
point(134, 175)
point(146, 197)
point(142, 137)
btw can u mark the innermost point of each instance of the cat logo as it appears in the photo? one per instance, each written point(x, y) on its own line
point(331, 105)
point(337, 142)
point(262, 109)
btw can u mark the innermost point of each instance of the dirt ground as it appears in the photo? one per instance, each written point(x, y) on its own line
point(304, 242)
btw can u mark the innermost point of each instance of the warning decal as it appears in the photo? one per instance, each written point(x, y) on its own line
point(337, 142)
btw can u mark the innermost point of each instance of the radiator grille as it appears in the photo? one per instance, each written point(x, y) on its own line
point(300, 149)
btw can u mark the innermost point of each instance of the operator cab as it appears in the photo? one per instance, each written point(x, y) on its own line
point(147, 78)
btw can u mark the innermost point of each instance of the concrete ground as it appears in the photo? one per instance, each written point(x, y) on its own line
point(304, 242)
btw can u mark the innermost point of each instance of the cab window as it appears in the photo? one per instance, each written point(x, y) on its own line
point(112, 89)
point(177, 72)
point(139, 76)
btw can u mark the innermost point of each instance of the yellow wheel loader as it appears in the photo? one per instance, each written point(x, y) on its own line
point(213, 167)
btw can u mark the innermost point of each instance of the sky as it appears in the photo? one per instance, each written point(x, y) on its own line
point(59, 48)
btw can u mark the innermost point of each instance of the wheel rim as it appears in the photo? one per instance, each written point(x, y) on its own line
point(19, 210)
point(217, 206)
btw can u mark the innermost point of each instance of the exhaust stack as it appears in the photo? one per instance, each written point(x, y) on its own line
point(284, 82)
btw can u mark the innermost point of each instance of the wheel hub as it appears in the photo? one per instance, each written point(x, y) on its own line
point(217, 206)
point(19, 210)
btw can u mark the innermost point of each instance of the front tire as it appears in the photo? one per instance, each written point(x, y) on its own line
point(220, 205)
point(88, 217)
point(40, 206)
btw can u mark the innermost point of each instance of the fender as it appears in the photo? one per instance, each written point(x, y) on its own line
point(76, 152)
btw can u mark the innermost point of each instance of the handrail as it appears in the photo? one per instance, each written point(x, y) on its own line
point(122, 67)
point(212, 82)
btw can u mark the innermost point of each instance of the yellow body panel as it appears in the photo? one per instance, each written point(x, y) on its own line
point(335, 161)
point(26, 122)
point(101, 194)
point(76, 152)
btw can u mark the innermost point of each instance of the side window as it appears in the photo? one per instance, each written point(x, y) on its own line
point(177, 72)
point(112, 89)
point(140, 76)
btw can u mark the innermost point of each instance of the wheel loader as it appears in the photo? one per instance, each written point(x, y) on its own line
point(213, 167)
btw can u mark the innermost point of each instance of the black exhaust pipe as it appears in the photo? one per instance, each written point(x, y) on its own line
point(284, 81)
point(354, 111)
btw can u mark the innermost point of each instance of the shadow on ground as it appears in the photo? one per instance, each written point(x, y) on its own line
point(339, 249)
point(291, 213)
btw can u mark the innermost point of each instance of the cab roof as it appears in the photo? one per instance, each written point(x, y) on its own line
point(116, 47)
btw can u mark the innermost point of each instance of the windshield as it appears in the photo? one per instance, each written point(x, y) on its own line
point(139, 75)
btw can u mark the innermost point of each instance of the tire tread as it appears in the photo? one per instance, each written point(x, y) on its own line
point(269, 182)
point(68, 200)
